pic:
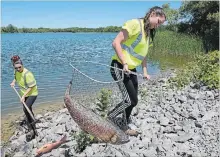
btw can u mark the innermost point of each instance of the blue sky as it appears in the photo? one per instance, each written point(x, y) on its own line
point(57, 14)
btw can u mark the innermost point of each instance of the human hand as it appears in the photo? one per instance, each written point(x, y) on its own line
point(146, 76)
point(12, 84)
point(22, 99)
point(125, 68)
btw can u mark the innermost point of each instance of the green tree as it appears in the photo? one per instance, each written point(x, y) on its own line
point(201, 18)
point(9, 29)
point(172, 16)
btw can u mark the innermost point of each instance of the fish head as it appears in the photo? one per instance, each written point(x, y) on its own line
point(63, 139)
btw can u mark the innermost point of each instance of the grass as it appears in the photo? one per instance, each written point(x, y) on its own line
point(169, 42)
point(174, 50)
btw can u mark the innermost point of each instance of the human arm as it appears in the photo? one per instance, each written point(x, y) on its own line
point(13, 83)
point(27, 91)
point(121, 37)
point(130, 29)
point(144, 68)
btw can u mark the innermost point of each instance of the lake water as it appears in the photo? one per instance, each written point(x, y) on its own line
point(48, 55)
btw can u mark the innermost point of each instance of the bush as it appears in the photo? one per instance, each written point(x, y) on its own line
point(83, 140)
point(104, 101)
point(204, 70)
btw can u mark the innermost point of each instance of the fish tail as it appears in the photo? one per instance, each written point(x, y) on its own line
point(63, 139)
point(38, 154)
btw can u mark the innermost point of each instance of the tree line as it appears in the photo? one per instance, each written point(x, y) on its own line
point(13, 29)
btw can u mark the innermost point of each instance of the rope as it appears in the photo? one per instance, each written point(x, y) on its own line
point(95, 79)
point(131, 72)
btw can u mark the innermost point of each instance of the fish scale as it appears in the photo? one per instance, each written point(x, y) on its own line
point(92, 123)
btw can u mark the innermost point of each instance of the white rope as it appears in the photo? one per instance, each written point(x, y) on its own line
point(131, 72)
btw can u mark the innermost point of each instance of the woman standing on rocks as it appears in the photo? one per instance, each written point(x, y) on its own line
point(131, 47)
point(28, 90)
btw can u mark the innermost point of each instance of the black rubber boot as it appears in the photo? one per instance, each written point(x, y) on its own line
point(33, 125)
point(31, 132)
point(30, 136)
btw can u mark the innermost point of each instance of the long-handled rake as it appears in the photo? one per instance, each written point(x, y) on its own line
point(25, 105)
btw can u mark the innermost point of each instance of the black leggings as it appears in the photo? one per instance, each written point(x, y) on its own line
point(29, 102)
point(129, 89)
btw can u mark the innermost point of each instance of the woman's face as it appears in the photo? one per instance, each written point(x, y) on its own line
point(18, 67)
point(156, 21)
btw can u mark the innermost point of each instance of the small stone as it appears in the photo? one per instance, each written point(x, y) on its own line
point(135, 111)
point(193, 96)
point(182, 99)
point(208, 115)
point(184, 138)
point(210, 95)
point(198, 125)
point(19, 154)
point(191, 116)
point(164, 121)
point(178, 128)
point(151, 151)
point(162, 80)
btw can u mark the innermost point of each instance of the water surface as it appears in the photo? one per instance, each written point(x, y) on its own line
point(48, 56)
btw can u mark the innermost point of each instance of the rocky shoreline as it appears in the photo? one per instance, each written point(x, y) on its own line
point(171, 122)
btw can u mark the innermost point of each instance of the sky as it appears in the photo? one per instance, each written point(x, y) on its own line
point(64, 14)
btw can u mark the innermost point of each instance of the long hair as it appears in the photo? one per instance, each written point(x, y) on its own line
point(148, 31)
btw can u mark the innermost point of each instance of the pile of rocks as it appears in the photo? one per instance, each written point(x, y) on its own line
point(172, 123)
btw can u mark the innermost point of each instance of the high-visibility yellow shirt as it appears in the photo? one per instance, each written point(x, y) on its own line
point(135, 48)
point(26, 80)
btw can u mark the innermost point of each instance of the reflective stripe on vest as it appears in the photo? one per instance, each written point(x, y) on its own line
point(130, 49)
point(25, 83)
